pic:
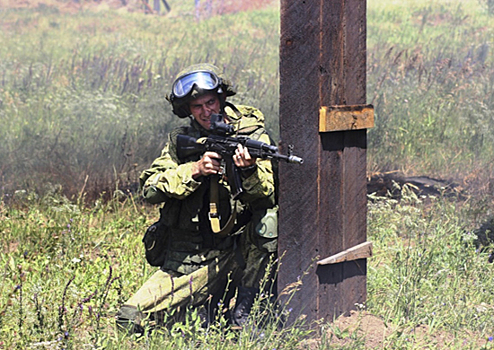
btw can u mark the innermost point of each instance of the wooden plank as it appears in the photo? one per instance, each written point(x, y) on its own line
point(344, 279)
point(343, 83)
point(341, 118)
point(331, 197)
point(354, 286)
point(323, 204)
point(360, 251)
point(299, 127)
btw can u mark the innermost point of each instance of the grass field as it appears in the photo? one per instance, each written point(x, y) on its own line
point(83, 94)
point(83, 111)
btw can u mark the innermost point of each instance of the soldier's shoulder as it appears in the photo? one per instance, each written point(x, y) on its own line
point(181, 130)
point(247, 118)
point(242, 111)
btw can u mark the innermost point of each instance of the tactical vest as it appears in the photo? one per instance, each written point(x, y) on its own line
point(190, 240)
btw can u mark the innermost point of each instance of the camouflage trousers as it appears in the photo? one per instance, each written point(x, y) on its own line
point(259, 256)
point(167, 294)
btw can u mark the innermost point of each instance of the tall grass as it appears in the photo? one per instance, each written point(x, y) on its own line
point(430, 78)
point(66, 268)
point(427, 281)
point(83, 95)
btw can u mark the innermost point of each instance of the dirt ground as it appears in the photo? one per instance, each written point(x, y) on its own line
point(360, 326)
point(368, 326)
point(364, 329)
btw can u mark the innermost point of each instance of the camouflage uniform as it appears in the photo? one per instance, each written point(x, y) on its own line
point(198, 262)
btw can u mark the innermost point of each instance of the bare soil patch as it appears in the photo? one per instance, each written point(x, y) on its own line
point(362, 329)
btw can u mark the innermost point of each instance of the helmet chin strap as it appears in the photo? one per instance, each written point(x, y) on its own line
point(223, 103)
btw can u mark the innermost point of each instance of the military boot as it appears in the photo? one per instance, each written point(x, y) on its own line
point(243, 304)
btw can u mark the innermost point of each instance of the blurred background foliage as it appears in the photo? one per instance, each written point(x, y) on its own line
point(82, 95)
point(82, 86)
point(430, 77)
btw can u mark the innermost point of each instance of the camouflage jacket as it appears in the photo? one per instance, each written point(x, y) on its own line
point(191, 242)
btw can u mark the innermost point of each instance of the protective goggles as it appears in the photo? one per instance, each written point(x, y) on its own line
point(203, 80)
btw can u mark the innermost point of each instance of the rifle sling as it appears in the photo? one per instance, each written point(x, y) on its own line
point(214, 217)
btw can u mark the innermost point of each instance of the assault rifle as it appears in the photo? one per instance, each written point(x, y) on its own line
point(225, 146)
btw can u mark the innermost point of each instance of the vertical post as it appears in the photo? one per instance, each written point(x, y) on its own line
point(323, 203)
point(167, 7)
point(156, 6)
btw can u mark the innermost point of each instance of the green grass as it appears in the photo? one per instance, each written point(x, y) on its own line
point(430, 78)
point(83, 94)
point(427, 270)
point(66, 268)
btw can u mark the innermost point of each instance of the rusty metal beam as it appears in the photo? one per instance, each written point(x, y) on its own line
point(341, 118)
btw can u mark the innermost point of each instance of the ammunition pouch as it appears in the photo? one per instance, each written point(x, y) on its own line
point(266, 222)
point(265, 226)
point(155, 243)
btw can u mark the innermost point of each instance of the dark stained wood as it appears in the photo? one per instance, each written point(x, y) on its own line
point(322, 203)
point(355, 230)
point(299, 107)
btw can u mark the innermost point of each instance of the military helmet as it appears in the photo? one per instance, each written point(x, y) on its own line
point(195, 81)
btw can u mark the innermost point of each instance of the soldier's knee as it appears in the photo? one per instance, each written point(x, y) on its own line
point(128, 320)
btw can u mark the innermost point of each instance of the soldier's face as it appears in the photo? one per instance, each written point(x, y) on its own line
point(202, 107)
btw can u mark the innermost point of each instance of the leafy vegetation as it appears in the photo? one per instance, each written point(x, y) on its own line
point(83, 110)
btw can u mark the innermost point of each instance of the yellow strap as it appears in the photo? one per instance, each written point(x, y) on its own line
point(214, 216)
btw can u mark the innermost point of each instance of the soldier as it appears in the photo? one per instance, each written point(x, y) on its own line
point(203, 254)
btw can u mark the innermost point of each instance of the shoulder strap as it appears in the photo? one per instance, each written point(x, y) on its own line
point(214, 217)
